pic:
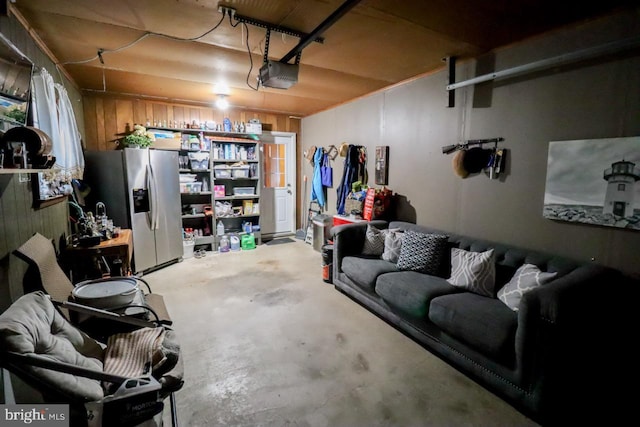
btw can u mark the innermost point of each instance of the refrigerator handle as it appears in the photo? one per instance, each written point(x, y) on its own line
point(152, 199)
point(154, 190)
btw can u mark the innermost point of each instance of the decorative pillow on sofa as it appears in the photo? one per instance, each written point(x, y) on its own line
point(525, 279)
point(473, 271)
point(422, 252)
point(373, 241)
point(392, 245)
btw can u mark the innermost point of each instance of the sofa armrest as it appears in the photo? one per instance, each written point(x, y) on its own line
point(564, 332)
point(578, 293)
point(348, 239)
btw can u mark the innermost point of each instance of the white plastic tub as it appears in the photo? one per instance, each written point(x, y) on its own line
point(187, 248)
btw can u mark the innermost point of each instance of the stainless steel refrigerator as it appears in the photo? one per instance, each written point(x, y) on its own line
point(141, 191)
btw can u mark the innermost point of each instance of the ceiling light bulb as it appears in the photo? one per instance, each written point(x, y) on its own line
point(222, 102)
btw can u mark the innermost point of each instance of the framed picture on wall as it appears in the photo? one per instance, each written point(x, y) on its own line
point(594, 181)
point(382, 165)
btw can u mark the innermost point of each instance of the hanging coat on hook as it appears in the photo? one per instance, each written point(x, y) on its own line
point(326, 171)
point(354, 170)
point(317, 190)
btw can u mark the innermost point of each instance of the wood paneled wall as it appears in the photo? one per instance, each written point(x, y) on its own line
point(108, 118)
point(18, 222)
point(18, 219)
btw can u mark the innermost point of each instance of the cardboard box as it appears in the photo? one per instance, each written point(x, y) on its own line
point(166, 144)
point(255, 128)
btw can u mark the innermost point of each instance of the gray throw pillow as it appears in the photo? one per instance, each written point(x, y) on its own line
point(373, 241)
point(525, 279)
point(392, 245)
point(422, 252)
point(473, 271)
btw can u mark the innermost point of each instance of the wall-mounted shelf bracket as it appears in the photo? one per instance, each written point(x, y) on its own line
point(451, 78)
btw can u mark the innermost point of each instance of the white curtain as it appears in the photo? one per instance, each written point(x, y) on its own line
point(71, 144)
point(53, 114)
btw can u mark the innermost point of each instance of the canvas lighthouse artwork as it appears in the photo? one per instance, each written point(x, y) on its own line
point(594, 181)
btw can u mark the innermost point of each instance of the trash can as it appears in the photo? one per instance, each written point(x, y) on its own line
point(327, 263)
point(321, 230)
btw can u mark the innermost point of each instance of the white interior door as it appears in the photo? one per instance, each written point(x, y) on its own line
point(277, 198)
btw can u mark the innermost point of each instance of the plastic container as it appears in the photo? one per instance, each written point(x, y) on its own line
point(248, 241)
point(235, 243)
point(199, 161)
point(222, 171)
point(187, 248)
point(240, 172)
point(190, 187)
point(220, 228)
point(243, 191)
point(224, 244)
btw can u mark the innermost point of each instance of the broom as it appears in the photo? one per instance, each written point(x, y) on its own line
point(301, 233)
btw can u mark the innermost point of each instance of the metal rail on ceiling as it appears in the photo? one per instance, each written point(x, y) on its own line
point(331, 19)
point(568, 58)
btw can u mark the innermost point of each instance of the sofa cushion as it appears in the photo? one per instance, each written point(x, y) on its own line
point(473, 271)
point(373, 241)
point(392, 246)
point(485, 324)
point(410, 291)
point(422, 252)
point(364, 271)
point(526, 278)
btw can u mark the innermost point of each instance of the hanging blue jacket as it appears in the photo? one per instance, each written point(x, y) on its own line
point(353, 171)
point(317, 190)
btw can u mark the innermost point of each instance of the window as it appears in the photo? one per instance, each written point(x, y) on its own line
point(621, 187)
point(274, 165)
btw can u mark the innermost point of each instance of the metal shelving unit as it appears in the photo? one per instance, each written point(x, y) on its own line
point(193, 202)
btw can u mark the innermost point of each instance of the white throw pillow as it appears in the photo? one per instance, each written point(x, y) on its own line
point(392, 245)
point(525, 279)
point(473, 271)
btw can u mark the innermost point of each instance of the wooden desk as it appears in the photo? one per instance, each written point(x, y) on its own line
point(119, 247)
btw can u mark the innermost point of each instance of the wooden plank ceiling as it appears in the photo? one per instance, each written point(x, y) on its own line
point(376, 44)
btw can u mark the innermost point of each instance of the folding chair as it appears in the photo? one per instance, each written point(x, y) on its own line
point(104, 384)
point(46, 274)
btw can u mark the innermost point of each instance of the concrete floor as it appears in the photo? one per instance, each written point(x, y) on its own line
point(267, 343)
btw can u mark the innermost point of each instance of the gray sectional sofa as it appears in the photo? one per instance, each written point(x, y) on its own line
point(546, 357)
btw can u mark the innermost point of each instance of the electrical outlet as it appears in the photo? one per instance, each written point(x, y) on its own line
point(226, 10)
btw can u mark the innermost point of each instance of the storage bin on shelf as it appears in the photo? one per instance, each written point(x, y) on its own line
point(190, 187)
point(222, 171)
point(199, 161)
point(244, 191)
point(240, 171)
